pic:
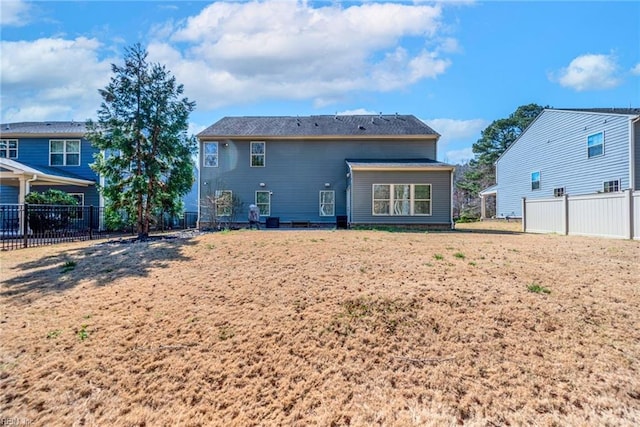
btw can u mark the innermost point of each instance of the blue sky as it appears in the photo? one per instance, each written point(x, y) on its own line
point(456, 65)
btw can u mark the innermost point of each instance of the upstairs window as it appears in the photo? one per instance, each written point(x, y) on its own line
point(611, 186)
point(64, 152)
point(535, 180)
point(9, 148)
point(257, 154)
point(210, 158)
point(595, 145)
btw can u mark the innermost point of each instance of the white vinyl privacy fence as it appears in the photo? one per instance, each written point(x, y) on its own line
point(615, 215)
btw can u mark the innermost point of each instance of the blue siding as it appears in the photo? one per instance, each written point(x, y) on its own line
point(8, 194)
point(555, 144)
point(35, 151)
point(296, 172)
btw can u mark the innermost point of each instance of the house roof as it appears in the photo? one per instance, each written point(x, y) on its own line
point(624, 111)
point(319, 126)
point(389, 164)
point(33, 129)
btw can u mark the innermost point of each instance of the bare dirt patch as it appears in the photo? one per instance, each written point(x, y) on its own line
point(324, 328)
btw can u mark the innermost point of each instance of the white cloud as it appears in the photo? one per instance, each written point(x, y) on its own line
point(452, 129)
point(243, 52)
point(14, 12)
point(51, 79)
point(456, 132)
point(589, 72)
point(458, 157)
point(636, 70)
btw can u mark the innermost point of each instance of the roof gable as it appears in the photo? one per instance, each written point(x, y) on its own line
point(318, 126)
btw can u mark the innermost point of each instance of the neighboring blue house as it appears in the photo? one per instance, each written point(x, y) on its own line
point(364, 170)
point(569, 151)
point(37, 156)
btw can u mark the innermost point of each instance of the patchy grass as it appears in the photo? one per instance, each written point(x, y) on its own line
point(537, 289)
point(311, 327)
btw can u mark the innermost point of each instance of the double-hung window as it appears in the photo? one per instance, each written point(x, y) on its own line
point(558, 192)
point(9, 148)
point(401, 199)
point(595, 145)
point(210, 159)
point(327, 203)
point(535, 180)
point(263, 201)
point(257, 154)
point(64, 152)
point(224, 202)
point(78, 211)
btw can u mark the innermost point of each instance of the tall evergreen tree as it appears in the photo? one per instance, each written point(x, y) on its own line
point(141, 130)
point(494, 140)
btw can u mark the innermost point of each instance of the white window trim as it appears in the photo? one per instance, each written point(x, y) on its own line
point(8, 141)
point(64, 152)
point(599, 155)
point(264, 154)
point(539, 181)
point(204, 154)
point(80, 205)
point(262, 213)
point(219, 194)
point(333, 204)
point(412, 200)
point(604, 186)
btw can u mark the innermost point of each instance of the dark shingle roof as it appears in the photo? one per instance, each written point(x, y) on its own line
point(56, 172)
point(627, 111)
point(309, 126)
point(43, 128)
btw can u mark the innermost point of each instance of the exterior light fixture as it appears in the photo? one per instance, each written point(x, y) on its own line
point(262, 184)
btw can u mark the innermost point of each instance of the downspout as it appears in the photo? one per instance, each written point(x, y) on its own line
point(27, 187)
point(451, 173)
point(27, 190)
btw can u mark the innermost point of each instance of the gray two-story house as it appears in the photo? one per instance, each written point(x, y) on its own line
point(322, 170)
point(569, 152)
point(37, 156)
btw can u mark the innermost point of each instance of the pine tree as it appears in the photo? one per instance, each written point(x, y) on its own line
point(141, 130)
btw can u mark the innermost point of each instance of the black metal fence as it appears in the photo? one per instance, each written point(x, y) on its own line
point(23, 226)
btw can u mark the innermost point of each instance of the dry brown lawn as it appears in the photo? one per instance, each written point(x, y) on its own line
point(318, 327)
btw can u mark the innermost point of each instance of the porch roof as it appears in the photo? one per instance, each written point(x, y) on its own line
point(11, 169)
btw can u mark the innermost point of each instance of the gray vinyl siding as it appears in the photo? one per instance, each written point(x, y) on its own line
point(555, 144)
point(362, 197)
point(296, 172)
point(636, 134)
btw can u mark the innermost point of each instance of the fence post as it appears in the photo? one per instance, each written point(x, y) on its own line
point(25, 226)
point(91, 222)
point(565, 214)
point(524, 214)
point(628, 224)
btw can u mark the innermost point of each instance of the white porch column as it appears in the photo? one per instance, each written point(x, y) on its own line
point(483, 207)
